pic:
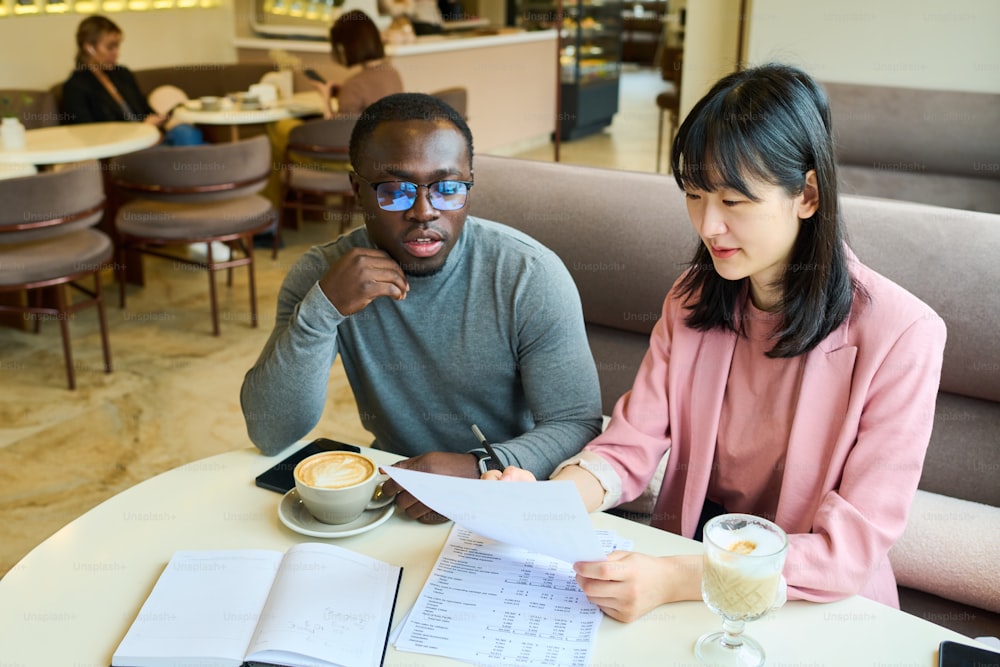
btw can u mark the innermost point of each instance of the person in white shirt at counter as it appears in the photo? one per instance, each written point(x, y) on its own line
point(786, 379)
point(442, 320)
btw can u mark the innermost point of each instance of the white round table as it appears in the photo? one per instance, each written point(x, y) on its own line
point(76, 143)
point(300, 104)
point(71, 599)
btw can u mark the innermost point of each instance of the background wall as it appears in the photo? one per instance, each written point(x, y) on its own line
point(711, 33)
point(948, 45)
point(38, 51)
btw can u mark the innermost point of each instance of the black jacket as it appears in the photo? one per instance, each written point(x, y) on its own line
point(85, 100)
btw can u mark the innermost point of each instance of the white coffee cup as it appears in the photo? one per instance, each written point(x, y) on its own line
point(266, 93)
point(211, 103)
point(337, 487)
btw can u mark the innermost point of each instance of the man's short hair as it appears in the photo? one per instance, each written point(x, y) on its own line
point(404, 107)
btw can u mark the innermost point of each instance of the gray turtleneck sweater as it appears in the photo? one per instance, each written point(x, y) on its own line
point(496, 338)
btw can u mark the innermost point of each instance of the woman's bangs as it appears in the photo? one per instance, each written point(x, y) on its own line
point(719, 155)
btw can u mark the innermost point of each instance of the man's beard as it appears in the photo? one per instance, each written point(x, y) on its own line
point(416, 271)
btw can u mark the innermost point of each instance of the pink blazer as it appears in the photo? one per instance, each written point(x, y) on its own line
point(861, 428)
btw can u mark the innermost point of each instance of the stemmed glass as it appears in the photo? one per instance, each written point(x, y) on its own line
point(744, 555)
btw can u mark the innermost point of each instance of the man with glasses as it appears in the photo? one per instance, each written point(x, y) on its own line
point(442, 320)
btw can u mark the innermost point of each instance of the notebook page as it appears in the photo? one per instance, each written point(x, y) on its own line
point(204, 606)
point(329, 604)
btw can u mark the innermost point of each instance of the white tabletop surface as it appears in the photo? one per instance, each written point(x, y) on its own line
point(75, 143)
point(71, 599)
point(300, 104)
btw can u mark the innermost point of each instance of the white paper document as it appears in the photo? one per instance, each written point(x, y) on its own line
point(544, 517)
point(491, 603)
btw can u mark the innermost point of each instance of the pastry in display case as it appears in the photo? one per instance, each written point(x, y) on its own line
point(590, 57)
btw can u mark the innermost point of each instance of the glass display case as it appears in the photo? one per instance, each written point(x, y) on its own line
point(589, 57)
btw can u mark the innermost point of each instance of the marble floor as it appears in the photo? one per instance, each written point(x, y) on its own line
point(173, 395)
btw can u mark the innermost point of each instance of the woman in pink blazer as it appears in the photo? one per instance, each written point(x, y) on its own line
point(785, 378)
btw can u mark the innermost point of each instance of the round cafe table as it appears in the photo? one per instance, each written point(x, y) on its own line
point(299, 105)
point(76, 143)
point(73, 597)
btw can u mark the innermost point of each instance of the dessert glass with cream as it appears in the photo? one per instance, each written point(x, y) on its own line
point(743, 559)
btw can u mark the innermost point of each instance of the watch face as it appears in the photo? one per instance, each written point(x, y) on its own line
point(487, 463)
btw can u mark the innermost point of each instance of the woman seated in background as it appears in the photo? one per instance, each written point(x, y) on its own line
point(785, 378)
point(100, 90)
point(355, 41)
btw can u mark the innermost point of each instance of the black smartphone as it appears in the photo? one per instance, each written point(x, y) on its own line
point(279, 477)
point(314, 75)
point(953, 654)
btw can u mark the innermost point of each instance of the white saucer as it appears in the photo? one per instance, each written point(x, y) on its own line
point(293, 513)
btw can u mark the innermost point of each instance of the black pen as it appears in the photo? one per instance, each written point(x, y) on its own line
point(487, 447)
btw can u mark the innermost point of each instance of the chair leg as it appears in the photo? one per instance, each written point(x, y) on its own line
point(253, 284)
point(63, 315)
point(659, 141)
point(102, 320)
point(121, 273)
point(37, 298)
point(215, 302)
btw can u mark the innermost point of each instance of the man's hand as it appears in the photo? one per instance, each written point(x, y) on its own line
point(360, 276)
point(439, 463)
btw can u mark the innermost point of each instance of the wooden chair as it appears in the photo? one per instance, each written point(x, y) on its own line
point(47, 241)
point(185, 195)
point(317, 165)
point(669, 101)
point(669, 104)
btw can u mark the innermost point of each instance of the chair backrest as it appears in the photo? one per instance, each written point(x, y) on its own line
point(195, 173)
point(321, 142)
point(163, 99)
point(51, 203)
point(35, 108)
point(457, 98)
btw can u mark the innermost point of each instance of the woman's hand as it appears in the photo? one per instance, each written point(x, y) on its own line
point(327, 91)
point(155, 119)
point(628, 585)
point(509, 474)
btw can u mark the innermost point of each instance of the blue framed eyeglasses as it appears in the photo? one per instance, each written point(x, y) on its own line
point(445, 195)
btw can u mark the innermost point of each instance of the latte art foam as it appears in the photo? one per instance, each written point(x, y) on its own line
point(334, 470)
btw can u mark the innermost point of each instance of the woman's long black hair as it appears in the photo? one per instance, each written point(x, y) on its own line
point(772, 124)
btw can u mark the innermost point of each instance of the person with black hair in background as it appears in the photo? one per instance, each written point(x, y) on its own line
point(786, 379)
point(356, 42)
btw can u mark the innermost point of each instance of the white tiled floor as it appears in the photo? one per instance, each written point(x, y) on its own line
point(630, 141)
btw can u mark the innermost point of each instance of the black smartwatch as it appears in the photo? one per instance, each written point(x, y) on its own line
point(486, 462)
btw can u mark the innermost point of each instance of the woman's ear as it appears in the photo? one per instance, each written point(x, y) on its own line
point(808, 200)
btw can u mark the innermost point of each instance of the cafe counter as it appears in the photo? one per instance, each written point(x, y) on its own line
point(510, 78)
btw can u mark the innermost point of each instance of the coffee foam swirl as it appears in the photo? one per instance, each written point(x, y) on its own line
point(336, 470)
